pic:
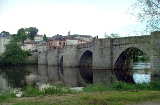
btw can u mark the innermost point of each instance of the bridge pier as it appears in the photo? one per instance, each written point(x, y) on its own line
point(102, 61)
point(42, 58)
point(155, 55)
point(102, 55)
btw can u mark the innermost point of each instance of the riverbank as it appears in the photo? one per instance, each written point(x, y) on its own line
point(89, 98)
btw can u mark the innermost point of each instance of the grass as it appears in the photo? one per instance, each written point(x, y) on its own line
point(91, 98)
point(97, 94)
point(5, 96)
point(123, 86)
point(31, 91)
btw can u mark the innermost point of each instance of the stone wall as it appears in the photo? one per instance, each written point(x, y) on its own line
point(105, 53)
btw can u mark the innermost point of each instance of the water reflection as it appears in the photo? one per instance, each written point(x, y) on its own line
point(141, 72)
point(4, 83)
point(142, 78)
point(37, 75)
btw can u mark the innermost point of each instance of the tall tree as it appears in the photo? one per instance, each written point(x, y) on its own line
point(148, 11)
point(21, 35)
point(45, 38)
point(32, 32)
point(14, 54)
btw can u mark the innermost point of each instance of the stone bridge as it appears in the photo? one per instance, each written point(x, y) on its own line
point(106, 60)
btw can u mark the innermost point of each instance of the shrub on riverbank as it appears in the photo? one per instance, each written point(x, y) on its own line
point(51, 90)
point(6, 95)
point(123, 86)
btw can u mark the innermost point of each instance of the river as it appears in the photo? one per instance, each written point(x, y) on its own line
point(17, 77)
point(20, 76)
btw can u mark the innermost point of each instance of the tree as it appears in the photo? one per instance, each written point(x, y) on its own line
point(21, 35)
point(148, 11)
point(45, 38)
point(14, 54)
point(31, 32)
point(5, 33)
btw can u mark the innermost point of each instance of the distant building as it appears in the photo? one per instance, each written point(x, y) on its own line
point(78, 39)
point(41, 46)
point(3, 41)
point(38, 38)
point(57, 41)
point(86, 38)
point(74, 41)
point(29, 45)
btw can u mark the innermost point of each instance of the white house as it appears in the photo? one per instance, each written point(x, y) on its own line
point(38, 38)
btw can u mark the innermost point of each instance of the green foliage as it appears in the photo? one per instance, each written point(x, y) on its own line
point(5, 96)
point(100, 97)
point(21, 35)
point(31, 91)
point(45, 38)
point(52, 90)
point(56, 90)
point(155, 85)
point(31, 32)
point(141, 59)
point(5, 33)
point(143, 86)
point(148, 12)
point(14, 54)
point(123, 86)
point(94, 98)
point(96, 87)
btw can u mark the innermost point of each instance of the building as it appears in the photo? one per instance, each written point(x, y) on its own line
point(57, 41)
point(41, 46)
point(38, 38)
point(29, 45)
point(86, 38)
point(3, 41)
point(78, 39)
point(74, 41)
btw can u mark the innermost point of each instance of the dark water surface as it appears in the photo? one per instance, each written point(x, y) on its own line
point(20, 76)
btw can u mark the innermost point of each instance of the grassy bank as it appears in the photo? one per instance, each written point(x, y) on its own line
point(91, 98)
point(97, 94)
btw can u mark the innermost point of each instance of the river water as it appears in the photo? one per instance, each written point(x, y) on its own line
point(17, 77)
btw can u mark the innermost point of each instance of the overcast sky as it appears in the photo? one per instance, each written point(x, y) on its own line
point(89, 17)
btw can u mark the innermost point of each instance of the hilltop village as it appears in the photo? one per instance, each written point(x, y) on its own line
point(42, 43)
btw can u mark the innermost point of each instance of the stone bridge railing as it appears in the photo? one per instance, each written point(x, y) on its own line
point(79, 46)
point(85, 45)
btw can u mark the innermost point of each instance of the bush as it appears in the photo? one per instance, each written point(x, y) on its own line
point(51, 90)
point(155, 85)
point(6, 95)
point(31, 91)
point(123, 86)
point(56, 90)
point(96, 87)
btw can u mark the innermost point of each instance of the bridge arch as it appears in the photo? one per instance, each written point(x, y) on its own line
point(85, 66)
point(124, 63)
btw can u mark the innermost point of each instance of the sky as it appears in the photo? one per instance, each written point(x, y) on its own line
point(86, 17)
